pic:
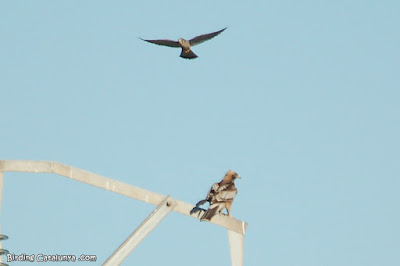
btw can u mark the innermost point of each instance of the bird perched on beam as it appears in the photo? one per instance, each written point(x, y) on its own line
point(220, 197)
point(186, 45)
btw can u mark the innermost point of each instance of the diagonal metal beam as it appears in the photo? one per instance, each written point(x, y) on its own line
point(141, 232)
point(115, 186)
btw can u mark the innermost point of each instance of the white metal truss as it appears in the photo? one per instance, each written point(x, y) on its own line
point(236, 229)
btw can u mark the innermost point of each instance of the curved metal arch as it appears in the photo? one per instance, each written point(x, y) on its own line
point(236, 229)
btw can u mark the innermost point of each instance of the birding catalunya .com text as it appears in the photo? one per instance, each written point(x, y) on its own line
point(50, 258)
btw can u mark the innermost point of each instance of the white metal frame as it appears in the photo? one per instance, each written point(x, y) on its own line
point(236, 229)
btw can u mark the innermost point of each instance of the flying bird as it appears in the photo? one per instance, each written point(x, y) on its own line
point(186, 45)
point(220, 197)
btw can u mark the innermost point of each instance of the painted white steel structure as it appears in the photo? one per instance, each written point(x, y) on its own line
point(236, 229)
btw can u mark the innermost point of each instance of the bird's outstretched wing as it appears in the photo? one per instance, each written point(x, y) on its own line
point(205, 37)
point(163, 42)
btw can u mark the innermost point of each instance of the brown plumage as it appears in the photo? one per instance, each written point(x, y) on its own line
point(220, 197)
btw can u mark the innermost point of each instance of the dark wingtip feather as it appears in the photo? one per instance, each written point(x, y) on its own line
point(205, 37)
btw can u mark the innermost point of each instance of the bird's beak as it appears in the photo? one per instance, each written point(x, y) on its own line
point(238, 177)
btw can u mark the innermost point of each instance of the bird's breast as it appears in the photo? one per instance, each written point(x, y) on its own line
point(185, 44)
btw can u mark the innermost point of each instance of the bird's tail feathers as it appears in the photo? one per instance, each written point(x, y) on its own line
point(188, 54)
point(209, 214)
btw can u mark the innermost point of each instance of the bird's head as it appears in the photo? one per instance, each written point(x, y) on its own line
point(232, 175)
point(180, 40)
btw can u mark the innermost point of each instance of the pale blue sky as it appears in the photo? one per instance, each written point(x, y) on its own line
point(301, 98)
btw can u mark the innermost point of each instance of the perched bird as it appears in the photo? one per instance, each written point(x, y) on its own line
point(186, 45)
point(220, 197)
